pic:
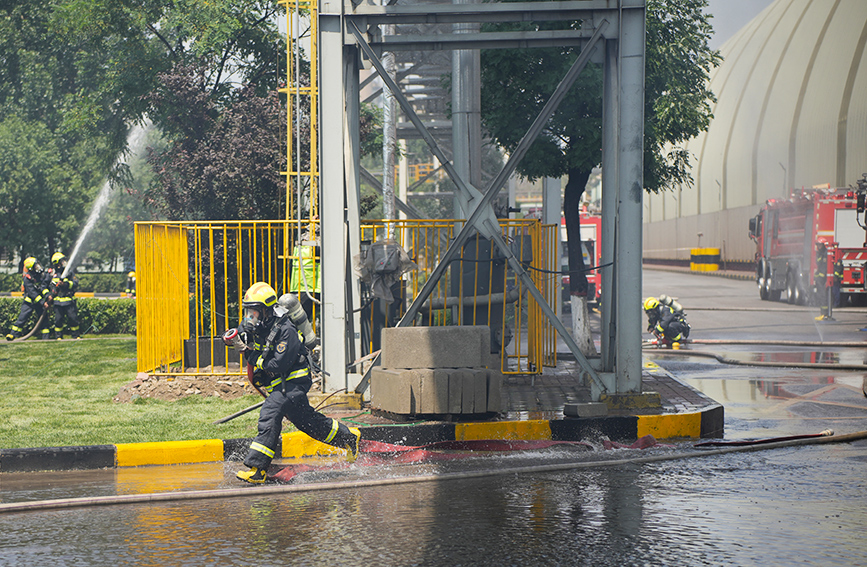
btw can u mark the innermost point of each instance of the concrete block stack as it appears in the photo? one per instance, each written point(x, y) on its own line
point(436, 371)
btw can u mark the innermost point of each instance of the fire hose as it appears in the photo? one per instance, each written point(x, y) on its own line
point(270, 490)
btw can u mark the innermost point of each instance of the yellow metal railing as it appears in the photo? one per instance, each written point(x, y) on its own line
point(191, 279)
point(162, 307)
point(302, 105)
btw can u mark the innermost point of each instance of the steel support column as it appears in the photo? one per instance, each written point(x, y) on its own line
point(630, 190)
point(333, 230)
point(610, 149)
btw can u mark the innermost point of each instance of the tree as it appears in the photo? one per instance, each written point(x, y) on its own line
point(64, 102)
point(224, 160)
point(516, 83)
point(78, 71)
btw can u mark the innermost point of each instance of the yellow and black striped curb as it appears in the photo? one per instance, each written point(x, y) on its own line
point(704, 423)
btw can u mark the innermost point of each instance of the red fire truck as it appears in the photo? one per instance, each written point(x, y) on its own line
point(591, 247)
point(791, 235)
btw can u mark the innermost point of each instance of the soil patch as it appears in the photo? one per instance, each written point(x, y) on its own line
point(170, 388)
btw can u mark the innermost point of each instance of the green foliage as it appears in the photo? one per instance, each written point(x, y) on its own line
point(106, 316)
point(101, 283)
point(78, 409)
point(516, 83)
point(10, 282)
point(96, 316)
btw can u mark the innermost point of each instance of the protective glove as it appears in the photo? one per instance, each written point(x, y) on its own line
point(235, 339)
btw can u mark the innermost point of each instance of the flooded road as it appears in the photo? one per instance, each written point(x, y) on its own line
point(797, 506)
point(803, 505)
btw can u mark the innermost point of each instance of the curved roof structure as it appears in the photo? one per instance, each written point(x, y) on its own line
point(791, 110)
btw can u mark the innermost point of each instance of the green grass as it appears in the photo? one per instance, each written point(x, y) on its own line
point(58, 394)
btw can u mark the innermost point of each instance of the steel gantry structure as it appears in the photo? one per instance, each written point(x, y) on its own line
point(351, 36)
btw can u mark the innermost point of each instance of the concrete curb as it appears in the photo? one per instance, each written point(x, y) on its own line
point(731, 275)
point(705, 422)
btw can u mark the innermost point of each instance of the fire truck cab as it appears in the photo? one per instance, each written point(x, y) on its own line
point(792, 235)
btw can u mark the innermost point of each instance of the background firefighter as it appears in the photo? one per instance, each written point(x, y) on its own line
point(129, 290)
point(275, 350)
point(35, 295)
point(665, 319)
point(824, 291)
point(63, 291)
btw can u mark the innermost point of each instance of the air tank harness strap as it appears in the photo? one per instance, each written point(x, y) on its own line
point(266, 351)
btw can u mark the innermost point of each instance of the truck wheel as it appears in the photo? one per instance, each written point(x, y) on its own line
point(793, 288)
point(763, 281)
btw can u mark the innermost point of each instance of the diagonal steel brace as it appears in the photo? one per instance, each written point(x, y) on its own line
point(482, 218)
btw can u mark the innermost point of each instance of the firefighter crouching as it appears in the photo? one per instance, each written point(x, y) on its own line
point(36, 282)
point(666, 320)
point(272, 346)
point(63, 291)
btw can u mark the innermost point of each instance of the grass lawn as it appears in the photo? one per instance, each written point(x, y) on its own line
point(59, 393)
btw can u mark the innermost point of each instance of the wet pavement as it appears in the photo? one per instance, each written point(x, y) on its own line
point(790, 506)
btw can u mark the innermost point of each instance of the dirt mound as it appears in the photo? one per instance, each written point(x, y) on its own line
point(170, 388)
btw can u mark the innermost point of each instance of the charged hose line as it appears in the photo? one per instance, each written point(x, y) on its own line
point(724, 360)
point(65, 503)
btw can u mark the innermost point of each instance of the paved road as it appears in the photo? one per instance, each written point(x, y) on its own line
point(792, 398)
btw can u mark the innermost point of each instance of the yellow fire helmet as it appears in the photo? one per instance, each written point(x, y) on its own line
point(651, 303)
point(131, 275)
point(30, 262)
point(260, 293)
point(57, 257)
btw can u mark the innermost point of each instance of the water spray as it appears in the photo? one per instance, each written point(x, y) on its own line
point(135, 138)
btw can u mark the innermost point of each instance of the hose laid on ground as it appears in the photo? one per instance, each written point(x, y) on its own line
point(724, 360)
point(288, 489)
point(853, 344)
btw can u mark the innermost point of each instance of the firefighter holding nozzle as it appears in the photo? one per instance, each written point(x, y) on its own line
point(63, 291)
point(666, 321)
point(272, 345)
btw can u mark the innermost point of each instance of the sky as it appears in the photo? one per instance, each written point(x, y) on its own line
point(731, 15)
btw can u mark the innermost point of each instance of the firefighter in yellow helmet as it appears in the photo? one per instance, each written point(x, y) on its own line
point(666, 320)
point(130, 284)
point(282, 369)
point(35, 297)
point(63, 288)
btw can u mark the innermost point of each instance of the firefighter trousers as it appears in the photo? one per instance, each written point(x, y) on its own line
point(66, 310)
point(291, 402)
point(28, 308)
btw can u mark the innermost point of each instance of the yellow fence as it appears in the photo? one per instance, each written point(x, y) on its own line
point(191, 278)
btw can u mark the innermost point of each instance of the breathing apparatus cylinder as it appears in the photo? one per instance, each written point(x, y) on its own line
point(289, 302)
point(666, 300)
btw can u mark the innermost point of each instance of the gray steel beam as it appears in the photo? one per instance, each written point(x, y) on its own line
point(485, 40)
point(352, 156)
point(333, 310)
point(491, 12)
point(630, 190)
point(610, 150)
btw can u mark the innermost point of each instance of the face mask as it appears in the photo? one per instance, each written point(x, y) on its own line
point(252, 319)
